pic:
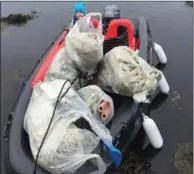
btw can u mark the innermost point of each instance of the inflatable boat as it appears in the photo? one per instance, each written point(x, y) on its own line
point(127, 121)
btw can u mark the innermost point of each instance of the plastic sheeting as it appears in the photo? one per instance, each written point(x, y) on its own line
point(125, 73)
point(62, 67)
point(85, 45)
point(82, 53)
point(66, 147)
point(93, 96)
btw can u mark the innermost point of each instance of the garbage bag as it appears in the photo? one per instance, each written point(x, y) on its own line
point(85, 45)
point(63, 68)
point(96, 99)
point(66, 147)
point(125, 73)
point(93, 96)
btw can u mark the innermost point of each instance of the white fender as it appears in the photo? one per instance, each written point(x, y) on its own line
point(152, 132)
point(163, 84)
point(160, 53)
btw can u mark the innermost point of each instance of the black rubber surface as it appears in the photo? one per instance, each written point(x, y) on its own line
point(141, 32)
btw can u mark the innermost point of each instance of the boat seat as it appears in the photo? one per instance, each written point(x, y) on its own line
point(119, 33)
point(121, 40)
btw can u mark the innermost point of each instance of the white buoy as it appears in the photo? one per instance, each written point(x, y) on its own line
point(160, 53)
point(163, 84)
point(152, 132)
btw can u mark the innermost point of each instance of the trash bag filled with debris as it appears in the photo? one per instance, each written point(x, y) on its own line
point(82, 53)
point(100, 104)
point(85, 45)
point(125, 73)
point(66, 147)
point(62, 67)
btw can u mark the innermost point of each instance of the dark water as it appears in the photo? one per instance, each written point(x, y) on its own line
point(171, 24)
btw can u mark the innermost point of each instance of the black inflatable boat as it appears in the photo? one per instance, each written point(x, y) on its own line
point(127, 120)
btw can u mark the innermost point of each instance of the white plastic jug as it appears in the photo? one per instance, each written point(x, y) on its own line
point(152, 132)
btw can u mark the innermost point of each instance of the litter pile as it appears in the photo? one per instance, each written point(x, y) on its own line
point(69, 145)
point(128, 74)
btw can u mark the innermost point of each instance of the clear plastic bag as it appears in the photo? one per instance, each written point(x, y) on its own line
point(85, 44)
point(62, 67)
point(66, 147)
point(128, 74)
point(93, 96)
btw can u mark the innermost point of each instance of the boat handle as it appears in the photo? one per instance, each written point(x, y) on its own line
point(7, 127)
